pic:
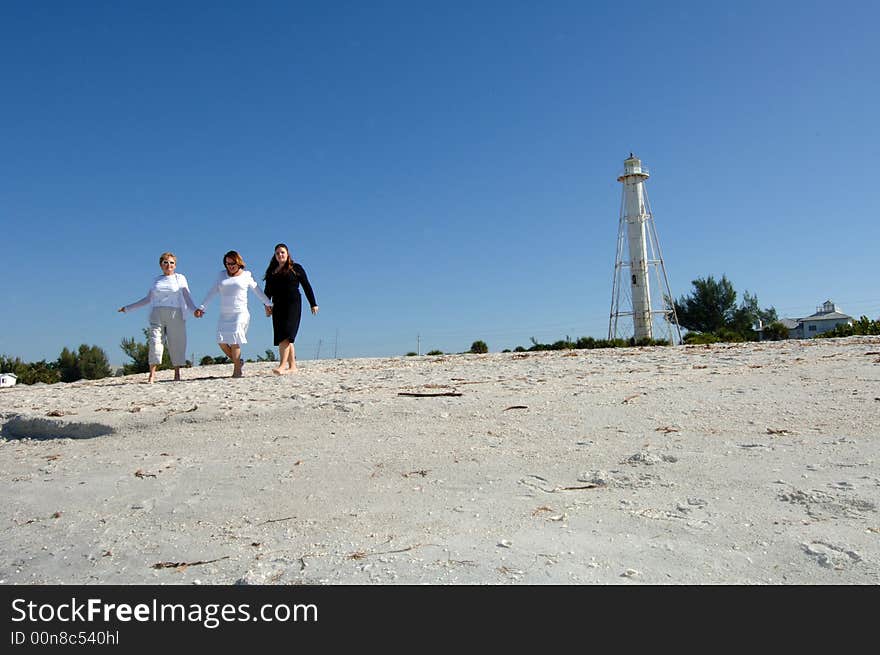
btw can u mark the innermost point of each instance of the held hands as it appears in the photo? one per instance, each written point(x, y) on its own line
point(199, 313)
point(315, 309)
point(121, 309)
point(268, 310)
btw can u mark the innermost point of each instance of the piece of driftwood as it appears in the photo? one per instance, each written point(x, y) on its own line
point(183, 411)
point(286, 518)
point(183, 565)
point(417, 394)
point(362, 554)
point(421, 472)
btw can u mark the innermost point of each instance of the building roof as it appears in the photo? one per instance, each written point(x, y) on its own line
point(826, 316)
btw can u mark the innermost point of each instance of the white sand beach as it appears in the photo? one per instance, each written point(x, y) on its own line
point(743, 464)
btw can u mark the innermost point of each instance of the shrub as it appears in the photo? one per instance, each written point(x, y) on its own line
point(776, 332)
point(698, 338)
point(864, 326)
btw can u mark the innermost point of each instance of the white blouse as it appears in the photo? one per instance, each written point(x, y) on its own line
point(233, 292)
point(167, 291)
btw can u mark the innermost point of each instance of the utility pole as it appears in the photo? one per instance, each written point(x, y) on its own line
point(318, 350)
point(335, 343)
point(418, 344)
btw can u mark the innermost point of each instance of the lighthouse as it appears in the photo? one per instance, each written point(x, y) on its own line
point(639, 271)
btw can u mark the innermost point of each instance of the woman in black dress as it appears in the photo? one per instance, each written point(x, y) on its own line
point(283, 279)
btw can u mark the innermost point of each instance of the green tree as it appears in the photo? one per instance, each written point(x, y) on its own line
point(68, 366)
point(709, 307)
point(748, 314)
point(41, 371)
point(89, 362)
point(268, 357)
point(863, 326)
point(140, 355)
point(478, 347)
point(776, 331)
point(93, 363)
point(30, 373)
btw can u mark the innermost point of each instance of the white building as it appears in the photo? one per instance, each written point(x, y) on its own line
point(827, 317)
point(8, 379)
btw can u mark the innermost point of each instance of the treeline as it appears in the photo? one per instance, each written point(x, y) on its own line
point(87, 362)
point(709, 314)
point(587, 343)
point(207, 360)
point(861, 327)
point(91, 363)
point(584, 343)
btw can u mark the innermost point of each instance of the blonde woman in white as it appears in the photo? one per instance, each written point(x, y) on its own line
point(232, 284)
point(170, 302)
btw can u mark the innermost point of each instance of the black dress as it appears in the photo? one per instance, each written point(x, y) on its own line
point(283, 289)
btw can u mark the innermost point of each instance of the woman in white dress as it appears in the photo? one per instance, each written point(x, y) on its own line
point(170, 302)
point(232, 324)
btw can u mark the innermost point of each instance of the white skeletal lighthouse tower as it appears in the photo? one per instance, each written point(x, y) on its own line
point(639, 272)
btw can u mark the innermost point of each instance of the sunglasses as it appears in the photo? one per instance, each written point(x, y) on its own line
point(231, 263)
point(167, 261)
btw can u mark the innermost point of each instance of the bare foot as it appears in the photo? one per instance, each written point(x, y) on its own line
point(151, 380)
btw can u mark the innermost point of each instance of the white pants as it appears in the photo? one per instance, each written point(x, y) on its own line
point(167, 325)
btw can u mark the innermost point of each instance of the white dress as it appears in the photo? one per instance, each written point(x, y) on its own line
point(232, 324)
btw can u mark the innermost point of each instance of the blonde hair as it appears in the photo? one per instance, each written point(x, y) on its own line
point(166, 255)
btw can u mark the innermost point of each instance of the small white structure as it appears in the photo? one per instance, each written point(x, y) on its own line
point(8, 379)
point(638, 259)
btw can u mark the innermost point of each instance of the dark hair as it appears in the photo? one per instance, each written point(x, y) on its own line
point(288, 266)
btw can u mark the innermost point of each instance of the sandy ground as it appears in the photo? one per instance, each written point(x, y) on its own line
point(743, 464)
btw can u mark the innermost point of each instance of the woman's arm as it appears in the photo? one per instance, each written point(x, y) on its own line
point(189, 303)
point(307, 287)
point(259, 292)
point(269, 288)
point(213, 291)
point(140, 303)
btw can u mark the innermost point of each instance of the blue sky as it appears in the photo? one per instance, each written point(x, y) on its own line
point(443, 170)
